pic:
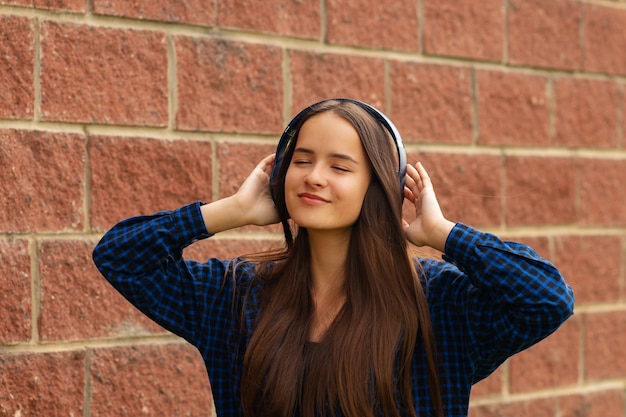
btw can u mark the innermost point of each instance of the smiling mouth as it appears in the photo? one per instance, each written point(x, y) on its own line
point(312, 198)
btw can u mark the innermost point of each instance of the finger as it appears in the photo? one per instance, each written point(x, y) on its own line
point(267, 163)
point(423, 174)
point(408, 194)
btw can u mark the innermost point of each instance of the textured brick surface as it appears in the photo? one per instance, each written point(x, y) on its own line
point(545, 33)
point(17, 2)
point(197, 12)
point(16, 67)
point(468, 187)
point(373, 23)
point(42, 384)
point(300, 19)
point(605, 338)
point(319, 76)
point(536, 408)
point(551, 363)
point(586, 113)
point(31, 165)
point(15, 293)
point(601, 189)
point(132, 176)
point(540, 191)
point(492, 385)
point(591, 265)
point(464, 28)
point(431, 103)
point(604, 42)
point(77, 302)
point(63, 5)
point(155, 380)
point(593, 404)
point(98, 75)
point(502, 95)
point(228, 86)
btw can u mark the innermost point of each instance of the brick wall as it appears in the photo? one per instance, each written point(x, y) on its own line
point(111, 108)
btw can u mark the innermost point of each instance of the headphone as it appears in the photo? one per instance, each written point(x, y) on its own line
point(294, 125)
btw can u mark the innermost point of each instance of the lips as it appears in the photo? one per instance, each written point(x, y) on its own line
point(312, 198)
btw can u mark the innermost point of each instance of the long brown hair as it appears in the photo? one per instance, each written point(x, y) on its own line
point(363, 364)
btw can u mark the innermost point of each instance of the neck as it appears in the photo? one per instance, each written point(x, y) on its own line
point(329, 251)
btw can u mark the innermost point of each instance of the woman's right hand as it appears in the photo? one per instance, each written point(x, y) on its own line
point(251, 204)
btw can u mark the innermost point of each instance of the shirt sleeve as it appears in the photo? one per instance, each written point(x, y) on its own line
point(142, 258)
point(493, 298)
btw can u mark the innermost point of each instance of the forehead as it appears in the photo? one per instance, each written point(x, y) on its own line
point(329, 130)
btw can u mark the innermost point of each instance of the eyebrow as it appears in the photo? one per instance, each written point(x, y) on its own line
point(332, 155)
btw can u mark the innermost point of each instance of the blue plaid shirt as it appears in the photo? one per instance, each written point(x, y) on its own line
point(488, 300)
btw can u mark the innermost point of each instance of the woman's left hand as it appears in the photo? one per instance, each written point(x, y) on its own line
point(430, 227)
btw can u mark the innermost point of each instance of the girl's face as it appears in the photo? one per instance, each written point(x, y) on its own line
point(328, 176)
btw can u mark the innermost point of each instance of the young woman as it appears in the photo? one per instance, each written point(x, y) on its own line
point(342, 321)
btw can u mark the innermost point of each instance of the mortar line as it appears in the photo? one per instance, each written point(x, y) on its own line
point(35, 282)
point(474, 107)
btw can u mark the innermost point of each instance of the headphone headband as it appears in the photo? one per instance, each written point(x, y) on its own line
point(294, 124)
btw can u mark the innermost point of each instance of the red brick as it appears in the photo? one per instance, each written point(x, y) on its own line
point(152, 380)
point(228, 248)
point(374, 24)
point(609, 402)
point(196, 12)
point(468, 187)
point(539, 244)
point(132, 176)
point(464, 28)
point(431, 103)
point(605, 338)
point(25, 3)
point(77, 302)
point(604, 43)
point(591, 265)
point(228, 86)
point(512, 109)
point(101, 75)
point(492, 385)
point(545, 33)
point(70, 5)
point(586, 113)
point(539, 191)
point(43, 180)
point(16, 67)
point(602, 197)
point(551, 363)
point(535, 408)
point(301, 19)
point(42, 384)
point(316, 77)
point(15, 298)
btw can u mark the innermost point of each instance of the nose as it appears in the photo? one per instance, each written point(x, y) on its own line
point(315, 177)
